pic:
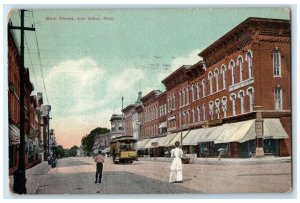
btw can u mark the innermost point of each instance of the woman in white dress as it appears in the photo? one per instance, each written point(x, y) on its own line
point(176, 166)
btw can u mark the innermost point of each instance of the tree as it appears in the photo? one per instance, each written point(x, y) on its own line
point(60, 151)
point(88, 141)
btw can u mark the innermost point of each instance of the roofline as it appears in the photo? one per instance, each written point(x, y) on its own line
point(239, 26)
point(181, 68)
point(147, 95)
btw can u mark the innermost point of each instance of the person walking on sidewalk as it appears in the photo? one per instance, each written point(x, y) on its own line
point(99, 159)
point(176, 166)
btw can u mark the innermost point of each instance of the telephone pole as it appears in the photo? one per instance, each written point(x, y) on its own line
point(19, 175)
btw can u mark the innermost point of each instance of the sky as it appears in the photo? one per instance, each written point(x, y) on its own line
point(84, 61)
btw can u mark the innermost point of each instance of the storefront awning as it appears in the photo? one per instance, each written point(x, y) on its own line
point(237, 132)
point(141, 144)
point(211, 134)
point(167, 139)
point(273, 129)
point(163, 125)
point(14, 134)
point(193, 136)
point(151, 143)
point(178, 137)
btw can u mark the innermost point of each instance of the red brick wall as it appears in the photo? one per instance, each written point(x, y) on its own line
point(286, 144)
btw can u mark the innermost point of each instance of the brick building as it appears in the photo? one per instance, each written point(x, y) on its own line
point(32, 119)
point(238, 99)
point(117, 126)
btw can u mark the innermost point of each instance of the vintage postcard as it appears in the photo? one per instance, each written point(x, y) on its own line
point(149, 101)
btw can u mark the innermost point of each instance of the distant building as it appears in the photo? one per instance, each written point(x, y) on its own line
point(117, 126)
point(101, 142)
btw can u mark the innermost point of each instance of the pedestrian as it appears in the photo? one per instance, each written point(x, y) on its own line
point(99, 159)
point(176, 166)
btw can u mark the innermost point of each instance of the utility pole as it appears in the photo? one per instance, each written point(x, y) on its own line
point(19, 175)
point(123, 119)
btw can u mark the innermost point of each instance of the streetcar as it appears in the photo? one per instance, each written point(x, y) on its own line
point(123, 149)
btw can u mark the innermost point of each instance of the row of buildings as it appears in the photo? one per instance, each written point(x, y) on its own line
point(238, 98)
point(38, 137)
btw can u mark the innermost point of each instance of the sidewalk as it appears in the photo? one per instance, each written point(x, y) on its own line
point(253, 160)
point(33, 176)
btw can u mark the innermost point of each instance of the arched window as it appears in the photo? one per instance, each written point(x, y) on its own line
point(211, 110)
point(203, 88)
point(276, 62)
point(198, 114)
point(193, 115)
point(278, 98)
point(249, 59)
point(210, 76)
point(239, 63)
point(183, 97)
point(217, 104)
point(193, 93)
point(188, 117)
point(233, 98)
point(180, 119)
point(179, 98)
point(241, 95)
point(204, 112)
point(224, 106)
point(174, 107)
point(250, 93)
point(231, 67)
point(216, 74)
point(187, 95)
point(197, 91)
point(223, 71)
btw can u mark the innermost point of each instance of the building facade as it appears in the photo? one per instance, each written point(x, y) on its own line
point(32, 120)
point(117, 126)
point(237, 99)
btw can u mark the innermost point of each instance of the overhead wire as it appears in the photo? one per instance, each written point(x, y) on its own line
point(39, 56)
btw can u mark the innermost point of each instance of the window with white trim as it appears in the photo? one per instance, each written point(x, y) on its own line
point(187, 95)
point(203, 88)
point(241, 95)
point(223, 70)
point(210, 76)
point(250, 93)
point(231, 67)
point(179, 116)
point(276, 62)
point(216, 74)
point(239, 62)
point(183, 97)
point(198, 114)
point(197, 91)
point(233, 98)
point(204, 112)
point(217, 104)
point(211, 110)
point(193, 115)
point(278, 98)
point(249, 59)
point(188, 117)
point(224, 106)
point(179, 98)
point(193, 93)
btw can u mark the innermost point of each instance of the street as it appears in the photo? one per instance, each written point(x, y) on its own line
point(76, 175)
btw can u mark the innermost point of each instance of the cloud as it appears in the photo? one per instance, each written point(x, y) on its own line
point(124, 83)
point(71, 85)
point(176, 63)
